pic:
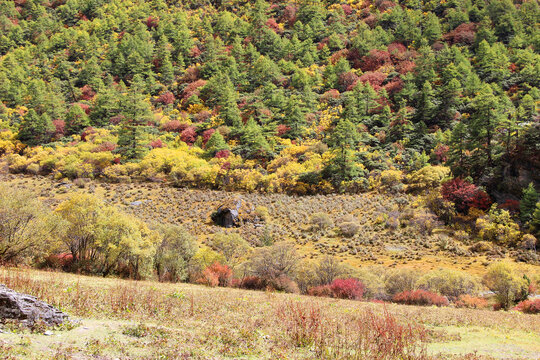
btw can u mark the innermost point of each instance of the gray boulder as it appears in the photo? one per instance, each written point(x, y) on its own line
point(27, 309)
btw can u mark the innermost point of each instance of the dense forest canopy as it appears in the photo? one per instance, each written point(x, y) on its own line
point(287, 96)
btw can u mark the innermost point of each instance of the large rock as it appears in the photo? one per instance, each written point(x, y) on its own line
point(27, 309)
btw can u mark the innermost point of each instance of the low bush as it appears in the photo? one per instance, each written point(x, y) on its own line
point(471, 302)
point(321, 290)
point(347, 288)
point(529, 306)
point(253, 283)
point(216, 275)
point(420, 297)
point(351, 289)
point(448, 282)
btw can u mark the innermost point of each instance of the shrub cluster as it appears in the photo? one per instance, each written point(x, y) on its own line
point(420, 297)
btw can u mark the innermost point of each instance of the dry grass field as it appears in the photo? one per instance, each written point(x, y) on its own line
point(121, 319)
point(374, 243)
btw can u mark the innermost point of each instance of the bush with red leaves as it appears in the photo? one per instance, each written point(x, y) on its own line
point(156, 144)
point(59, 261)
point(394, 86)
point(273, 25)
point(347, 288)
point(188, 135)
point(216, 275)
point(282, 129)
point(420, 297)
point(87, 93)
point(207, 134)
point(463, 34)
point(152, 22)
point(511, 205)
point(253, 283)
point(375, 59)
point(223, 154)
point(174, 126)
point(347, 81)
point(351, 289)
point(166, 99)
point(105, 146)
point(529, 306)
point(193, 89)
point(321, 290)
point(405, 66)
point(375, 79)
point(465, 195)
point(59, 127)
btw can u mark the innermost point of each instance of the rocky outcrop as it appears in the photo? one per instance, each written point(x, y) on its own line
point(27, 309)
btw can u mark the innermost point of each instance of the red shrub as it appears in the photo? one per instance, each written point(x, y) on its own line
point(347, 81)
point(397, 51)
point(59, 261)
point(105, 146)
point(394, 86)
point(471, 302)
point(156, 144)
point(193, 89)
point(216, 275)
point(510, 205)
point(441, 152)
point(152, 22)
point(195, 52)
point(115, 120)
point(405, 67)
point(289, 15)
point(174, 126)
point(347, 288)
point(375, 59)
point(60, 127)
point(347, 9)
point(223, 154)
point(203, 116)
point(420, 297)
point(330, 94)
point(188, 135)
point(463, 34)
point(481, 200)
point(207, 134)
point(282, 129)
point(273, 25)
point(87, 93)
point(166, 99)
point(529, 306)
point(322, 290)
point(208, 278)
point(465, 195)
point(374, 78)
point(253, 283)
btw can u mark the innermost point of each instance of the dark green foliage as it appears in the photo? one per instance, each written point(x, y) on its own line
point(528, 203)
point(35, 129)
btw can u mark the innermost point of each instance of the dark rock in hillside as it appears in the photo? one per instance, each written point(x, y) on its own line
point(227, 216)
point(27, 309)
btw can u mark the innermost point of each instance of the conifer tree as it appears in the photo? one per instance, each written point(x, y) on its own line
point(528, 202)
point(35, 129)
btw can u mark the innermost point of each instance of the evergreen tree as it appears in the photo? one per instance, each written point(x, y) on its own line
point(76, 120)
point(343, 141)
point(215, 143)
point(484, 121)
point(295, 118)
point(254, 144)
point(136, 114)
point(528, 202)
point(35, 129)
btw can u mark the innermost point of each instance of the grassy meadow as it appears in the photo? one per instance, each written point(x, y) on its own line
point(124, 319)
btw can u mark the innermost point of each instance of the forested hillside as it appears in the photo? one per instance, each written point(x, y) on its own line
point(299, 97)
